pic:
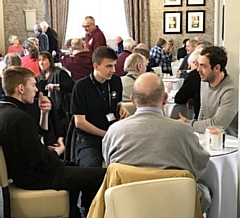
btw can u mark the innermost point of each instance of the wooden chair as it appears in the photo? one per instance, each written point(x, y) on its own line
point(23, 203)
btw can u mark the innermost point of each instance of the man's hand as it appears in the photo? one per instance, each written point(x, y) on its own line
point(58, 147)
point(123, 112)
point(44, 103)
point(182, 118)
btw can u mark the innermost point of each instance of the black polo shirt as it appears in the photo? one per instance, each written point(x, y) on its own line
point(91, 98)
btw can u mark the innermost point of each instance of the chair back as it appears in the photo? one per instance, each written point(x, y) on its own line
point(158, 71)
point(158, 198)
point(175, 66)
point(3, 170)
point(4, 185)
point(186, 112)
point(130, 107)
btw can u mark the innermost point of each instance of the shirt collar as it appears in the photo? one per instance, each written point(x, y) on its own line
point(14, 101)
point(149, 108)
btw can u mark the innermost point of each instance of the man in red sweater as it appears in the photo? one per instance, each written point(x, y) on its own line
point(94, 36)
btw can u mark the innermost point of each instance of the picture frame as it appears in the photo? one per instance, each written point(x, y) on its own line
point(196, 2)
point(172, 22)
point(195, 21)
point(170, 3)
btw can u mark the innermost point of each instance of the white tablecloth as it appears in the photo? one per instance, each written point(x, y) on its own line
point(221, 176)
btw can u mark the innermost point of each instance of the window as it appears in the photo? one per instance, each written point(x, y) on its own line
point(109, 15)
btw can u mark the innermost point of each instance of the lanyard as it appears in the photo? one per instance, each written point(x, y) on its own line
point(8, 102)
point(100, 93)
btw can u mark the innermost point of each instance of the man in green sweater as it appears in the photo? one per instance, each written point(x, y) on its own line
point(219, 95)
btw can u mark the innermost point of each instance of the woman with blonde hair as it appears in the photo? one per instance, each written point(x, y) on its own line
point(15, 46)
point(30, 58)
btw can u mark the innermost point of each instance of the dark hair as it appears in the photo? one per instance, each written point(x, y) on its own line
point(160, 42)
point(46, 54)
point(31, 48)
point(216, 55)
point(103, 52)
point(184, 42)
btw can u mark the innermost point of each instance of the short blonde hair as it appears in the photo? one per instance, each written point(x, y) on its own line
point(12, 38)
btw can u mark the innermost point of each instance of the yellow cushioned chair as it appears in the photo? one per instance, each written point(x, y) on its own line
point(130, 107)
point(166, 198)
point(21, 203)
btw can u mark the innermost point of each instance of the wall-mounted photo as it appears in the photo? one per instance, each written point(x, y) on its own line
point(170, 3)
point(195, 2)
point(195, 22)
point(172, 22)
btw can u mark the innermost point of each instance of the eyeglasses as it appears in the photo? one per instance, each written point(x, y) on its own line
point(86, 26)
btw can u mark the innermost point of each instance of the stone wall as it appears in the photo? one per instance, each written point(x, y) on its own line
point(156, 16)
point(14, 18)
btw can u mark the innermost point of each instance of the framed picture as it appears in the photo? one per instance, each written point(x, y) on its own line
point(195, 22)
point(172, 22)
point(196, 2)
point(170, 3)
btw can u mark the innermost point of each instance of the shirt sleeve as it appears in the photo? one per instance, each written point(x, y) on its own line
point(36, 154)
point(66, 82)
point(79, 100)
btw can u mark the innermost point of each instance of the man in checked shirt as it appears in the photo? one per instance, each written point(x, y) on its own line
point(160, 55)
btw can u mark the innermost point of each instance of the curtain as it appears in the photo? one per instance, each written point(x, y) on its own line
point(138, 20)
point(56, 16)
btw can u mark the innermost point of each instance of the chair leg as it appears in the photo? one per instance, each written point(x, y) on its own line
point(6, 202)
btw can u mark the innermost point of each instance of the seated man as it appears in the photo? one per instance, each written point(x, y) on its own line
point(149, 139)
point(160, 55)
point(79, 62)
point(190, 89)
point(219, 95)
point(96, 99)
point(30, 164)
point(118, 41)
point(135, 64)
point(128, 46)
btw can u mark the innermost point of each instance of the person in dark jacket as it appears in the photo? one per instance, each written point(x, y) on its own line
point(78, 62)
point(189, 93)
point(52, 39)
point(42, 38)
point(31, 165)
point(182, 52)
point(56, 83)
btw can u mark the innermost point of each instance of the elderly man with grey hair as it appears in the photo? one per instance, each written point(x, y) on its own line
point(79, 62)
point(42, 38)
point(52, 39)
point(165, 143)
point(135, 65)
point(128, 46)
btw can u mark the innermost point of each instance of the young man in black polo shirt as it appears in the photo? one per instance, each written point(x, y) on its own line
point(95, 101)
